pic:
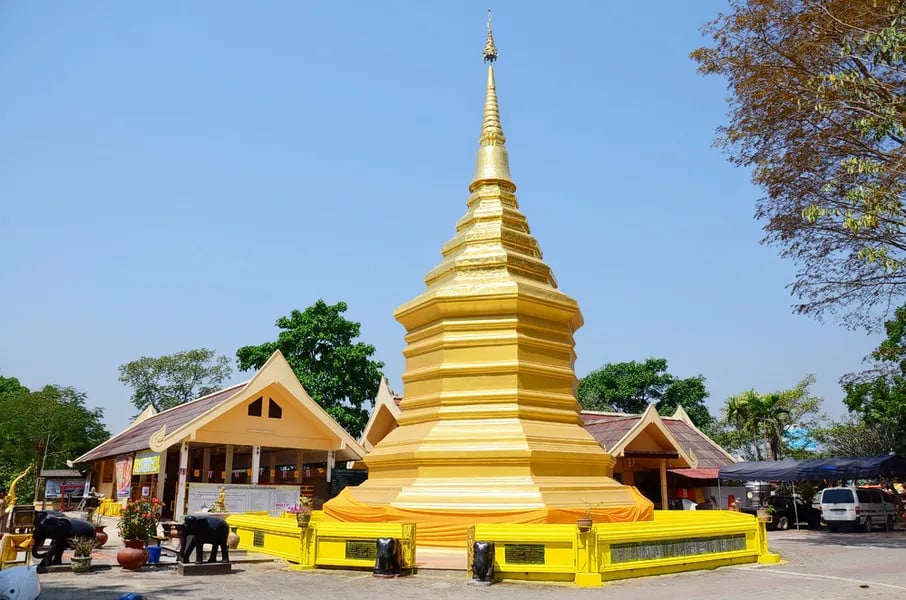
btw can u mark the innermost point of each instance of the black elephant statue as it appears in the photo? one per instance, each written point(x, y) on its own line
point(389, 557)
point(199, 530)
point(483, 562)
point(59, 529)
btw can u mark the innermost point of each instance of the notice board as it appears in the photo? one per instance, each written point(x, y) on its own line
point(243, 498)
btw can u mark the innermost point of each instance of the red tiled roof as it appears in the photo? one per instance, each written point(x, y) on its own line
point(696, 473)
point(609, 429)
point(708, 456)
point(136, 438)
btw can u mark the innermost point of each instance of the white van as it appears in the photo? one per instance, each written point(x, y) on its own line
point(856, 508)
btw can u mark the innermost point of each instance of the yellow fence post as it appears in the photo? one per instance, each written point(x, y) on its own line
point(765, 556)
point(587, 574)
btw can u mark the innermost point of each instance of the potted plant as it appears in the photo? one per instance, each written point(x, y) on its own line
point(302, 510)
point(81, 557)
point(584, 523)
point(100, 535)
point(138, 522)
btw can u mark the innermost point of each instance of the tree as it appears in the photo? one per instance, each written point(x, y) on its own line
point(690, 393)
point(631, 386)
point(856, 437)
point(44, 428)
point(174, 379)
point(760, 426)
point(878, 394)
point(817, 111)
point(336, 371)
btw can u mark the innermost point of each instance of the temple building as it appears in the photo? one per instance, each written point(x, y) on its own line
point(266, 440)
point(489, 426)
point(667, 458)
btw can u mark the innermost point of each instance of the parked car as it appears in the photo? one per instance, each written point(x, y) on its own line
point(785, 510)
point(856, 509)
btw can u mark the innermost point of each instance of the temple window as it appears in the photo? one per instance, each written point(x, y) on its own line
point(255, 407)
point(273, 409)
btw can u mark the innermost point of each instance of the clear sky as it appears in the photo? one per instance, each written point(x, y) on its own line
point(176, 175)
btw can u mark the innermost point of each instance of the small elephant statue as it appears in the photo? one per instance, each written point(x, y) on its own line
point(483, 562)
point(199, 530)
point(59, 529)
point(389, 557)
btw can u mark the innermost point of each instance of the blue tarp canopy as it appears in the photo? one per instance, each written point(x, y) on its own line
point(854, 467)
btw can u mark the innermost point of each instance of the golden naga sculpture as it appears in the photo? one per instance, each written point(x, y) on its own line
point(11, 494)
point(220, 504)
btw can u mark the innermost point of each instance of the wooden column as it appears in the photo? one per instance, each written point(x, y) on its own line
point(272, 468)
point(664, 499)
point(331, 461)
point(205, 465)
point(256, 463)
point(181, 483)
point(299, 459)
point(161, 475)
point(228, 464)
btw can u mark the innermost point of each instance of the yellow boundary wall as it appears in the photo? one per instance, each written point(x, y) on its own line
point(672, 542)
point(322, 543)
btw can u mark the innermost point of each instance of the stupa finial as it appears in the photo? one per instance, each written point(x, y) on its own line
point(490, 50)
point(493, 163)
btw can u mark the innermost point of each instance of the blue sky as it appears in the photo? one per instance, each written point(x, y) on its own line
point(179, 175)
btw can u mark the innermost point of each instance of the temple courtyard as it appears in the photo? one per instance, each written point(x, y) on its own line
point(816, 564)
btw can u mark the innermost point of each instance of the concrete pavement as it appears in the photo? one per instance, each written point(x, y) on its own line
point(818, 564)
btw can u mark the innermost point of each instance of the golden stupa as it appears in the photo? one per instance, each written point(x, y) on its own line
point(489, 429)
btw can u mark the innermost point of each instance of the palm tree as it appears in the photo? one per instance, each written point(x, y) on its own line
point(766, 418)
point(775, 421)
point(745, 411)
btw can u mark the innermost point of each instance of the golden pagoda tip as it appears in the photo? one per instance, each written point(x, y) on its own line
point(490, 50)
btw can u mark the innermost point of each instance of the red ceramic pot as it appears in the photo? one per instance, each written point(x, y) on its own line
point(100, 535)
point(133, 556)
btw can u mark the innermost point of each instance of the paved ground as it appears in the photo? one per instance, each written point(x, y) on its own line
point(818, 565)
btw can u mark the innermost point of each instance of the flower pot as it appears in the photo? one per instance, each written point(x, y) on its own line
point(233, 541)
point(133, 556)
point(303, 519)
point(81, 564)
point(583, 524)
point(100, 535)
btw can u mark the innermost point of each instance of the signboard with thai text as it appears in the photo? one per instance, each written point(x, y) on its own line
point(243, 498)
point(146, 463)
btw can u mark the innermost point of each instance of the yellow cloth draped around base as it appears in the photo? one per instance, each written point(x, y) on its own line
point(446, 528)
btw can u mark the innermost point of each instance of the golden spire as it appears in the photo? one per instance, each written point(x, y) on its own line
point(493, 163)
point(490, 51)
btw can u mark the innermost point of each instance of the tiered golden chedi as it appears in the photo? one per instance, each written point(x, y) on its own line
point(489, 429)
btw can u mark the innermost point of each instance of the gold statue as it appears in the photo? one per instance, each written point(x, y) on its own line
point(219, 505)
point(11, 494)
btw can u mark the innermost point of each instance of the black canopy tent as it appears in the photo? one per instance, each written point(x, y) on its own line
point(850, 467)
